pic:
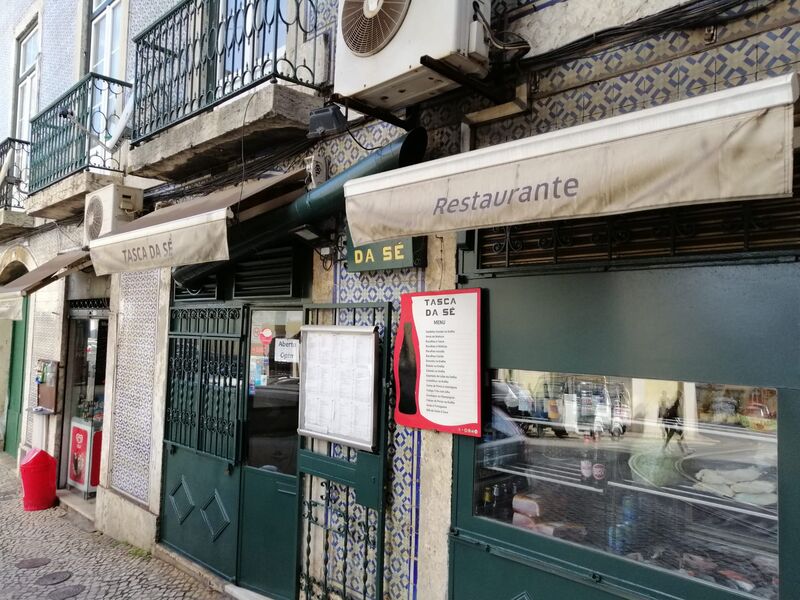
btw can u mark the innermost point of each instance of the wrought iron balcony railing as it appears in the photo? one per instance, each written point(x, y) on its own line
point(74, 132)
point(14, 162)
point(204, 51)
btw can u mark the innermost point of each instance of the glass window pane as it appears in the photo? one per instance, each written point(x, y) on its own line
point(273, 392)
point(117, 41)
point(29, 50)
point(22, 111)
point(676, 475)
point(98, 58)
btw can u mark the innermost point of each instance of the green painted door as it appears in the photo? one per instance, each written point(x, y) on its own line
point(268, 538)
point(269, 533)
point(202, 476)
point(200, 508)
point(16, 382)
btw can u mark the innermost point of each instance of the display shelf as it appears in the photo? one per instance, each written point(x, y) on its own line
point(683, 493)
point(699, 498)
point(544, 475)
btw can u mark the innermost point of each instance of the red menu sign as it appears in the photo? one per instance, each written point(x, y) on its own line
point(437, 361)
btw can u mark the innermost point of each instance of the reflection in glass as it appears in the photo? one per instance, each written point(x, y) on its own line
point(677, 475)
point(273, 391)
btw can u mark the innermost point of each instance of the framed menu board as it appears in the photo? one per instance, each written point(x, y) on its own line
point(338, 384)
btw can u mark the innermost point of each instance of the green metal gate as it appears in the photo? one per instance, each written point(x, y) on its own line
point(342, 491)
point(205, 391)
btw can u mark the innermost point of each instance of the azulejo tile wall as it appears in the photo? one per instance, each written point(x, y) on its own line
point(402, 519)
point(137, 324)
point(670, 67)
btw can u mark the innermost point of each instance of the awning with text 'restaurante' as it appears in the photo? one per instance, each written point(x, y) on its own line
point(12, 293)
point(195, 231)
point(730, 145)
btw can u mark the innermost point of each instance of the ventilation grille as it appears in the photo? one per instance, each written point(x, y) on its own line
point(368, 25)
point(268, 274)
point(94, 218)
point(654, 236)
point(90, 304)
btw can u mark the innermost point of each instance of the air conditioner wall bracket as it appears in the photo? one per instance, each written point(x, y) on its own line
point(373, 111)
point(478, 86)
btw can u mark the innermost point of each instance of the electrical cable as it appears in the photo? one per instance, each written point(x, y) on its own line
point(688, 15)
point(499, 44)
point(367, 148)
point(244, 172)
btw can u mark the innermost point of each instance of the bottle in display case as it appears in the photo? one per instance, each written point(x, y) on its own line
point(586, 461)
point(598, 465)
point(485, 507)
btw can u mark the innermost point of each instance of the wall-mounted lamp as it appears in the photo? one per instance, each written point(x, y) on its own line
point(326, 120)
point(329, 247)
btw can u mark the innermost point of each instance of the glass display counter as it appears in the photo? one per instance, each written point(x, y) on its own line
point(679, 476)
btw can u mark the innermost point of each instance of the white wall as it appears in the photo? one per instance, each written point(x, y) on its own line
point(564, 22)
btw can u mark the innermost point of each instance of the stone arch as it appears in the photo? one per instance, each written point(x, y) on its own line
point(15, 261)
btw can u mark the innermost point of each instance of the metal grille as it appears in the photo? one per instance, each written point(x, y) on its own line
point(342, 490)
point(204, 51)
point(14, 163)
point(70, 134)
point(348, 535)
point(90, 304)
point(206, 378)
point(267, 274)
point(667, 235)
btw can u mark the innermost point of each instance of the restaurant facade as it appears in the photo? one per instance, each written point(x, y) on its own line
point(629, 217)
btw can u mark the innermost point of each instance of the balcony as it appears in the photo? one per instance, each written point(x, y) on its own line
point(199, 59)
point(71, 146)
point(14, 161)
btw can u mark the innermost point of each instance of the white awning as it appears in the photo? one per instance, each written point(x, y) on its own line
point(193, 232)
point(12, 293)
point(730, 145)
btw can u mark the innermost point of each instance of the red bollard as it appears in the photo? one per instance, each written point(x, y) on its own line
point(38, 473)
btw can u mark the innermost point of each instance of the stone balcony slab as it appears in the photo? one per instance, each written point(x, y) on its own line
point(266, 117)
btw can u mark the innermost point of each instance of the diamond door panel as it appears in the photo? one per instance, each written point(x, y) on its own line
point(200, 508)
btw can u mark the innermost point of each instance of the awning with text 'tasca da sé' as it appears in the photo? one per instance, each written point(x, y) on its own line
point(195, 231)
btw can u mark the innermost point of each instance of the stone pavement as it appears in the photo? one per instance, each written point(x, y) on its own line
point(98, 566)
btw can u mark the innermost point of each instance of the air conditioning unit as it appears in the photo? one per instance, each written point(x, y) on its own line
point(107, 207)
point(380, 42)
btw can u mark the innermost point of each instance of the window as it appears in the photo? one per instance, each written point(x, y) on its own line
point(106, 57)
point(27, 105)
point(246, 36)
point(677, 475)
point(27, 84)
point(273, 390)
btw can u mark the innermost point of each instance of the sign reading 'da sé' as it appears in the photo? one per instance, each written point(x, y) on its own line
point(395, 254)
point(437, 361)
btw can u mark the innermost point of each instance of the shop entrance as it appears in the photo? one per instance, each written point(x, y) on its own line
point(230, 460)
point(84, 400)
point(633, 445)
point(16, 380)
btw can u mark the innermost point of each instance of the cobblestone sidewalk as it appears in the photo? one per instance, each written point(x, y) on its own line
point(98, 566)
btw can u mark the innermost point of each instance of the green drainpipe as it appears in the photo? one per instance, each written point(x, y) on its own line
point(320, 203)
